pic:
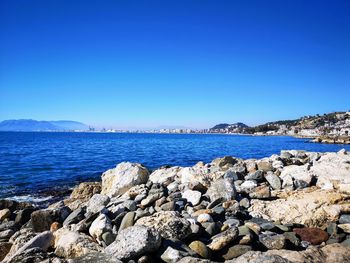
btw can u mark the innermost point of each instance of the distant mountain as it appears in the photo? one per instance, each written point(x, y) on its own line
point(33, 125)
point(238, 125)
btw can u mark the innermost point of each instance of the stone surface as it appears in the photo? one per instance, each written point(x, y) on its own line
point(200, 248)
point(164, 175)
point(4, 214)
point(193, 197)
point(99, 226)
point(97, 203)
point(221, 240)
point(273, 241)
point(222, 188)
point(72, 244)
point(236, 251)
point(314, 236)
point(133, 242)
point(273, 180)
point(4, 249)
point(295, 177)
point(311, 207)
point(75, 217)
point(344, 219)
point(84, 191)
point(96, 257)
point(127, 221)
point(124, 176)
point(168, 223)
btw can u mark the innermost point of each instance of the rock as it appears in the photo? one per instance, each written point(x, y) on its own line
point(344, 219)
point(296, 177)
point(41, 241)
point(4, 214)
point(257, 176)
point(42, 219)
point(13, 205)
point(219, 241)
point(204, 218)
point(236, 251)
point(72, 244)
point(247, 186)
point(314, 236)
point(97, 203)
point(193, 197)
point(168, 223)
point(108, 238)
point(19, 239)
point(99, 226)
point(150, 199)
point(171, 255)
point(345, 228)
point(260, 192)
point(96, 258)
point(273, 241)
point(273, 180)
point(6, 234)
point(33, 255)
point(194, 260)
point(133, 242)
point(84, 191)
point(200, 248)
point(164, 175)
point(4, 249)
point(55, 226)
point(332, 169)
point(222, 188)
point(264, 165)
point(311, 207)
point(23, 216)
point(124, 176)
point(128, 221)
point(224, 161)
point(75, 217)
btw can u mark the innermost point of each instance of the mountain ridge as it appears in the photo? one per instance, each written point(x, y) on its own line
point(35, 125)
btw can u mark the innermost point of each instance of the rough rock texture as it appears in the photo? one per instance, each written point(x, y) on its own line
point(97, 203)
point(296, 177)
point(311, 207)
point(125, 175)
point(314, 236)
point(332, 169)
point(333, 253)
point(222, 188)
point(71, 244)
point(96, 257)
point(100, 225)
point(224, 238)
point(168, 223)
point(164, 175)
point(133, 242)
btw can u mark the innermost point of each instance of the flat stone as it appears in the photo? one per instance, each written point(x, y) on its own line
point(221, 240)
point(200, 248)
point(273, 241)
point(236, 251)
point(273, 180)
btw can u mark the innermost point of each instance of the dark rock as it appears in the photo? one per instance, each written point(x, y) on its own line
point(127, 221)
point(257, 176)
point(32, 255)
point(75, 217)
point(13, 205)
point(23, 216)
point(4, 249)
point(332, 229)
point(292, 239)
point(314, 236)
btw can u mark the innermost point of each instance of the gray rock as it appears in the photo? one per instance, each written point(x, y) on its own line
point(42, 219)
point(273, 241)
point(97, 203)
point(222, 188)
point(273, 180)
point(257, 176)
point(32, 255)
point(344, 219)
point(96, 258)
point(236, 251)
point(108, 238)
point(6, 234)
point(75, 217)
point(133, 242)
point(223, 239)
point(127, 221)
point(150, 199)
point(23, 216)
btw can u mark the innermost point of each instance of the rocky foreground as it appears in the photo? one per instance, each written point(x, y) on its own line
point(292, 207)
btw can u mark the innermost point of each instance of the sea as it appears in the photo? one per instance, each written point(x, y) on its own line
point(42, 167)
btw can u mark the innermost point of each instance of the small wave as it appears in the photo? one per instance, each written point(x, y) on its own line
point(30, 198)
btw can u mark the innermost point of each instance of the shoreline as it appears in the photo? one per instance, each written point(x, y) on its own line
point(229, 210)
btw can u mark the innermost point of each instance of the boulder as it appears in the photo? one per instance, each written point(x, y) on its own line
point(331, 170)
point(4, 214)
point(32, 255)
point(296, 177)
point(99, 226)
point(72, 244)
point(19, 239)
point(84, 191)
point(164, 175)
point(97, 203)
point(168, 223)
point(4, 249)
point(42, 219)
point(314, 236)
point(222, 188)
point(311, 207)
point(75, 217)
point(124, 176)
point(273, 180)
point(193, 197)
point(133, 242)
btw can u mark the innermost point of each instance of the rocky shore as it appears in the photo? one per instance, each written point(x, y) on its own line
point(292, 207)
point(332, 139)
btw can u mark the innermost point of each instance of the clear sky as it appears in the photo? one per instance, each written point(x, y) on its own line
point(190, 63)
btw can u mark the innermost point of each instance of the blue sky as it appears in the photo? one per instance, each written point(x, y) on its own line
point(190, 63)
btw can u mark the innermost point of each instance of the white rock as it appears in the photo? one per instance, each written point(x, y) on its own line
point(222, 188)
point(99, 226)
point(193, 197)
point(124, 176)
point(294, 176)
point(97, 203)
point(202, 218)
point(164, 175)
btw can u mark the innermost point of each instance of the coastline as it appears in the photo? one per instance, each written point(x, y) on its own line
point(228, 210)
